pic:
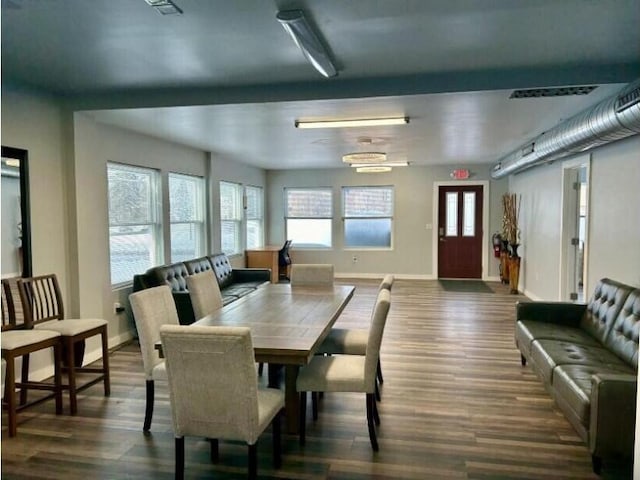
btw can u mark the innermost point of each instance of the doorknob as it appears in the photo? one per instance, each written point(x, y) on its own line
point(442, 239)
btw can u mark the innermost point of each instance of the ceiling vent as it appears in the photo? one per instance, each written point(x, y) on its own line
point(553, 92)
point(612, 119)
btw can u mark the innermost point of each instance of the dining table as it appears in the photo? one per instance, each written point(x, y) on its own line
point(288, 324)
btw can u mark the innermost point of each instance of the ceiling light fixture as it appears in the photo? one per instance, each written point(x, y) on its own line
point(11, 162)
point(373, 169)
point(364, 157)
point(364, 122)
point(296, 25)
point(165, 7)
point(385, 164)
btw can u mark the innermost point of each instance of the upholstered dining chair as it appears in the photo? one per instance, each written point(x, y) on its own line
point(352, 341)
point(152, 308)
point(348, 373)
point(311, 274)
point(205, 293)
point(43, 309)
point(19, 341)
point(222, 400)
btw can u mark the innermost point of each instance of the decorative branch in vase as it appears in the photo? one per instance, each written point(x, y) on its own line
point(511, 212)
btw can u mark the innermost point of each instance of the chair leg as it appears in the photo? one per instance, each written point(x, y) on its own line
point(148, 410)
point(214, 453)
point(260, 369)
point(57, 376)
point(376, 417)
point(314, 405)
point(371, 404)
point(523, 360)
point(596, 463)
point(105, 363)
point(379, 373)
point(179, 458)
point(303, 417)
point(253, 461)
point(378, 397)
point(10, 395)
point(71, 374)
point(24, 379)
point(277, 445)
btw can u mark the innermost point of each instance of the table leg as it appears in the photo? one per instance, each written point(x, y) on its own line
point(291, 399)
point(274, 375)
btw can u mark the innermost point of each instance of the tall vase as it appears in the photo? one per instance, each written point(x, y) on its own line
point(514, 268)
point(504, 262)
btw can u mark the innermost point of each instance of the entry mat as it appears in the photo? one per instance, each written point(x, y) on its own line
point(469, 286)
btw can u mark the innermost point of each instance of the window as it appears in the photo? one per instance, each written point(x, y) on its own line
point(255, 217)
point(230, 217)
point(186, 214)
point(368, 215)
point(309, 214)
point(135, 236)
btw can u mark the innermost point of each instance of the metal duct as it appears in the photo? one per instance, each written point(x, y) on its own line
point(612, 119)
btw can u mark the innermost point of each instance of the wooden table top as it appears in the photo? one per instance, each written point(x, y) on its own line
point(287, 323)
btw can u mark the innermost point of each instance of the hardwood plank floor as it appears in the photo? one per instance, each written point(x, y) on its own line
point(456, 404)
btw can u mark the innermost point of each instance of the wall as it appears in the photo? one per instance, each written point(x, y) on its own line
point(411, 256)
point(614, 226)
point(96, 144)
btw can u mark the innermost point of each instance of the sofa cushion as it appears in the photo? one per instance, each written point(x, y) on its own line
point(529, 330)
point(573, 384)
point(548, 354)
point(198, 265)
point(175, 275)
point(222, 268)
point(603, 308)
point(239, 290)
point(623, 337)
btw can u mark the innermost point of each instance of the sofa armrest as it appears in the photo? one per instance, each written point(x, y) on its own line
point(184, 307)
point(613, 414)
point(240, 275)
point(561, 313)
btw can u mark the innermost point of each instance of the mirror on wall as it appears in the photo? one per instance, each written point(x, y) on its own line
point(16, 225)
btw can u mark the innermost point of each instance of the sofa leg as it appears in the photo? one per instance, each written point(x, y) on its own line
point(596, 462)
point(523, 360)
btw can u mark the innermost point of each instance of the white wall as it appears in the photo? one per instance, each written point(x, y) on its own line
point(411, 255)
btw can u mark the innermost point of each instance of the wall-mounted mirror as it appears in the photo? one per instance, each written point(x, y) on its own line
point(16, 224)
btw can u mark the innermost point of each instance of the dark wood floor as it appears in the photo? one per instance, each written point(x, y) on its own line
point(456, 404)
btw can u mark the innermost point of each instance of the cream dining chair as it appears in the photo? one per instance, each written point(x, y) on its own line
point(152, 308)
point(352, 341)
point(348, 373)
point(204, 292)
point(221, 400)
point(311, 274)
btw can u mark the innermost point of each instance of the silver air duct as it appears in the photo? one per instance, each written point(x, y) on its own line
point(612, 119)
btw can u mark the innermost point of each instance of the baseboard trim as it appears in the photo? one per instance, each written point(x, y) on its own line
point(380, 276)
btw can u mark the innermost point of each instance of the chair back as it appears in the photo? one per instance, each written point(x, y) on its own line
point(152, 308)
point(212, 381)
point(41, 299)
point(378, 321)
point(387, 282)
point(283, 254)
point(312, 274)
point(9, 321)
point(204, 293)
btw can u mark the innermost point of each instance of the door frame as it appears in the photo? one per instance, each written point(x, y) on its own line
point(485, 222)
point(568, 227)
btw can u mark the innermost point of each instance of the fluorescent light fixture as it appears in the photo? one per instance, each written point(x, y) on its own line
point(165, 7)
point(296, 25)
point(364, 157)
point(363, 122)
point(12, 162)
point(385, 164)
point(373, 169)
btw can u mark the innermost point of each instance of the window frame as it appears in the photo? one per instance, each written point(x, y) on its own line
point(155, 210)
point(346, 217)
point(259, 218)
point(236, 221)
point(199, 223)
point(287, 218)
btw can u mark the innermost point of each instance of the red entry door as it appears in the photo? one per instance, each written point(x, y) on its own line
point(460, 231)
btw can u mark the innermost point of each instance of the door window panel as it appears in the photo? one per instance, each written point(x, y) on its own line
point(469, 214)
point(452, 214)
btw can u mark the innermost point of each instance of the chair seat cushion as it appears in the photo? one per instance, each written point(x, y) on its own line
point(13, 339)
point(548, 354)
point(529, 330)
point(159, 372)
point(270, 402)
point(349, 341)
point(71, 327)
point(338, 373)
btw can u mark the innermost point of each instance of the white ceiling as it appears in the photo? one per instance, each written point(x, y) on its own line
point(224, 77)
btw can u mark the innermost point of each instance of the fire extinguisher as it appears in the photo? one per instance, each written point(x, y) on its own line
point(496, 239)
